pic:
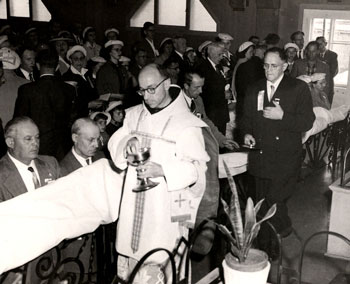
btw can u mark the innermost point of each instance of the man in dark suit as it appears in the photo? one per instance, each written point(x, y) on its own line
point(27, 69)
point(311, 64)
point(277, 111)
point(214, 95)
point(180, 46)
point(330, 58)
point(147, 42)
point(22, 169)
point(86, 137)
point(49, 102)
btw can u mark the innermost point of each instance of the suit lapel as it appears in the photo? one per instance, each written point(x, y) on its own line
point(44, 174)
point(14, 182)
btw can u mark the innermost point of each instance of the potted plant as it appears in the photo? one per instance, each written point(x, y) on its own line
point(243, 265)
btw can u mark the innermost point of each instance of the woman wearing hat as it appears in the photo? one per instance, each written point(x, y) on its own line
point(90, 45)
point(166, 48)
point(111, 34)
point(117, 112)
point(109, 81)
point(87, 97)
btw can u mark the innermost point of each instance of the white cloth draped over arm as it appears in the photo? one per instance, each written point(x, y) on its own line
point(77, 204)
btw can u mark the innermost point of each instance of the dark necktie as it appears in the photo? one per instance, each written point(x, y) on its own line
point(193, 106)
point(31, 78)
point(34, 178)
point(88, 161)
point(299, 54)
point(218, 69)
point(272, 92)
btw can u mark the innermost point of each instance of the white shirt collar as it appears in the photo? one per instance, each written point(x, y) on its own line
point(60, 58)
point(155, 51)
point(25, 73)
point(25, 174)
point(212, 63)
point(80, 159)
point(188, 99)
point(276, 84)
point(181, 55)
point(75, 71)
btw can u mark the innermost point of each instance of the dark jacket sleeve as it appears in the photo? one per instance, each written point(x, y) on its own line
point(22, 105)
point(302, 120)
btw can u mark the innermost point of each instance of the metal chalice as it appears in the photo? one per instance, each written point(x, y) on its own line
point(139, 158)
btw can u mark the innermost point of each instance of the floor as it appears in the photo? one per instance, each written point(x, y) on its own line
point(309, 209)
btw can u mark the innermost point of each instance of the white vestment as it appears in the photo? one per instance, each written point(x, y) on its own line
point(175, 138)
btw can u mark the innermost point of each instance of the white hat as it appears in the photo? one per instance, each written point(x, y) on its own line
point(86, 30)
point(29, 30)
point(204, 45)
point(291, 45)
point(224, 36)
point(189, 49)
point(92, 116)
point(64, 33)
point(111, 30)
point(98, 59)
point(124, 59)
point(113, 42)
point(305, 78)
point(76, 48)
point(60, 39)
point(113, 105)
point(164, 40)
point(9, 58)
point(3, 38)
point(318, 76)
point(4, 28)
point(245, 45)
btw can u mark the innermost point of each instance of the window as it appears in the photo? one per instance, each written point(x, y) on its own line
point(33, 9)
point(334, 25)
point(174, 13)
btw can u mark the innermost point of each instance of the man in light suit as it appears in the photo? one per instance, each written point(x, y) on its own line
point(277, 111)
point(22, 140)
point(23, 170)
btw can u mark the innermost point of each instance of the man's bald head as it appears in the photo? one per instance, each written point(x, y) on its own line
point(154, 87)
point(216, 51)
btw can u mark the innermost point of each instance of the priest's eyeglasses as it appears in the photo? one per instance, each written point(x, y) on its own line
point(150, 90)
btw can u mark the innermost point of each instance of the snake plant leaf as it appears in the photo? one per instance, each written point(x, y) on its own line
point(228, 213)
point(235, 209)
point(223, 229)
point(253, 234)
point(258, 205)
point(269, 213)
point(250, 220)
point(236, 252)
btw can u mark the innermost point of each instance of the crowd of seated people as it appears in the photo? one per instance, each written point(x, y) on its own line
point(77, 90)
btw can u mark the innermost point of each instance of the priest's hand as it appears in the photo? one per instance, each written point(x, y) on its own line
point(275, 113)
point(149, 170)
point(132, 147)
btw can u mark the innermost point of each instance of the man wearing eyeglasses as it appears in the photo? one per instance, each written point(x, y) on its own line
point(160, 216)
point(277, 111)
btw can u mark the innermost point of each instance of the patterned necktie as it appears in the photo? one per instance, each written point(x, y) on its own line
point(272, 92)
point(31, 78)
point(138, 218)
point(34, 178)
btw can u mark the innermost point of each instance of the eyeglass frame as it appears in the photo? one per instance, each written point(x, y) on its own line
point(150, 90)
point(267, 66)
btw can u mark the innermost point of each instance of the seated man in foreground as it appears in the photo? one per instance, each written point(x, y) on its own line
point(160, 216)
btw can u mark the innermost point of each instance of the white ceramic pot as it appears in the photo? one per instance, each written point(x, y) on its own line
point(254, 270)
